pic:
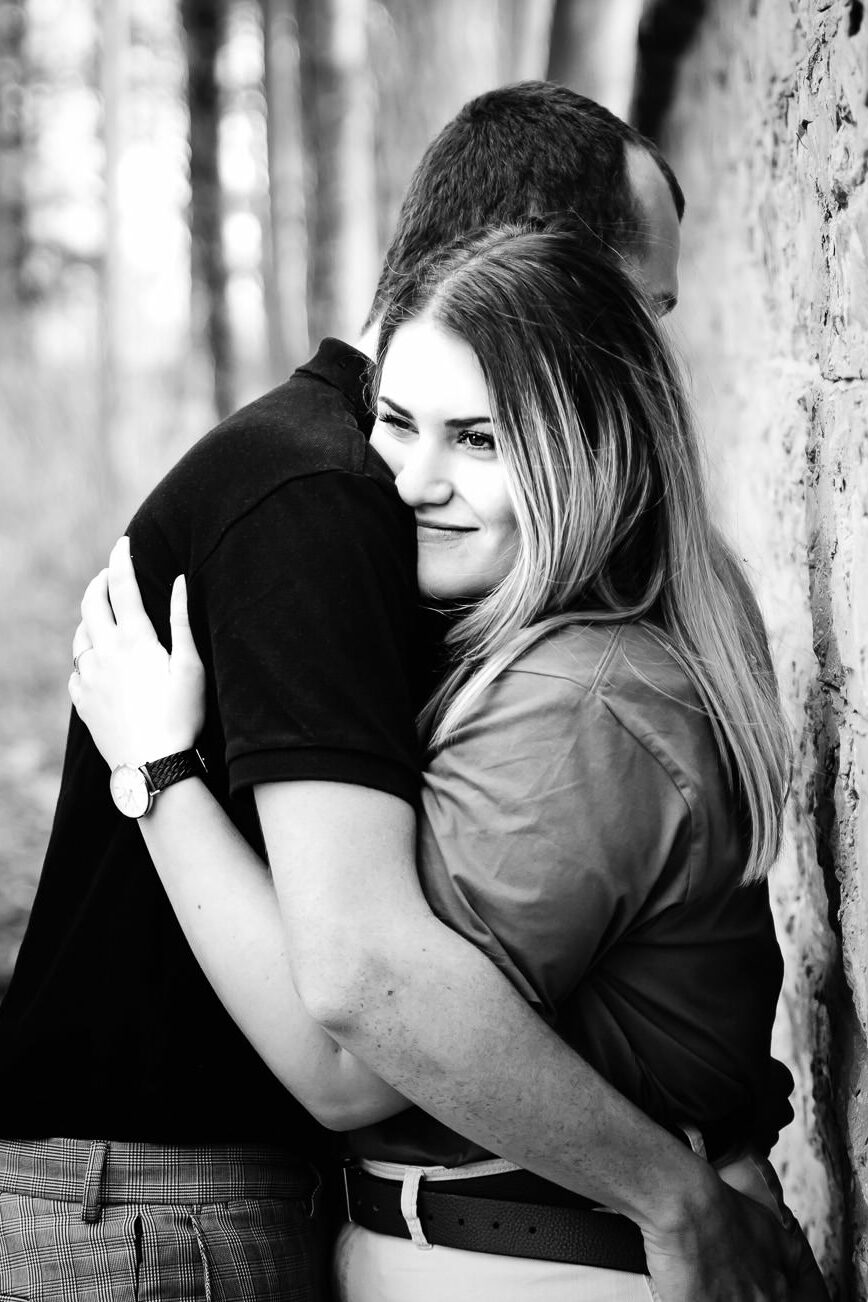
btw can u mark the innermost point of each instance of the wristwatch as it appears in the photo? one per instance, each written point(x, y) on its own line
point(133, 788)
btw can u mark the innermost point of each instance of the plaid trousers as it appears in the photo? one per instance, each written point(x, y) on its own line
point(97, 1221)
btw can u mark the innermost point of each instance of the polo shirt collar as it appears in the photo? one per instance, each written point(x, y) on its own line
point(348, 371)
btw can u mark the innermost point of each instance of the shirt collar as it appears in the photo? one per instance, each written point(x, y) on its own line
point(347, 370)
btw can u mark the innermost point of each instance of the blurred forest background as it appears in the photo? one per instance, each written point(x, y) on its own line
point(193, 192)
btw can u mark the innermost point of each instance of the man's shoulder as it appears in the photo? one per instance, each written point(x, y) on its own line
point(317, 420)
point(313, 424)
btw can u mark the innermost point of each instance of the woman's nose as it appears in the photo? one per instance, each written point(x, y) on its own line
point(423, 479)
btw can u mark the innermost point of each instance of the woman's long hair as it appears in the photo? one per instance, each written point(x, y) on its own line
point(604, 472)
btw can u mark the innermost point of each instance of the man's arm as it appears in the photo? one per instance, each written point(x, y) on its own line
point(434, 1017)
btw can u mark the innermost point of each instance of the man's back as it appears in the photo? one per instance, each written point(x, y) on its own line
point(109, 1026)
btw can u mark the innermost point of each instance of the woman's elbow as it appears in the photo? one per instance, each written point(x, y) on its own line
point(338, 1115)
point(340, 989)
point(347, 1106)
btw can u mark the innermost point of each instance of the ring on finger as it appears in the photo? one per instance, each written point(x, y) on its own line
point(76, 659)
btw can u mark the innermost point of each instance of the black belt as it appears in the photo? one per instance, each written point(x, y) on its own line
point(450, 1220)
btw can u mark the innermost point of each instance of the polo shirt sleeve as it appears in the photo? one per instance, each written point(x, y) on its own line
point(548, 832)
point(308, 602)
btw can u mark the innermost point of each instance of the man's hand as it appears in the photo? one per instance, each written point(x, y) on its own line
point(732, 1249)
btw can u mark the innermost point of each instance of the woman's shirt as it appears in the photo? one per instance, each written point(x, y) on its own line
point(579, 830)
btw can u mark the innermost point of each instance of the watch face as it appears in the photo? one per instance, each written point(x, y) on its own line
point(130, 791)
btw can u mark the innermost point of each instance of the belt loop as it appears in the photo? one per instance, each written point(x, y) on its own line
point(91, 1201)
point(409, 1194)
point(344, 1169)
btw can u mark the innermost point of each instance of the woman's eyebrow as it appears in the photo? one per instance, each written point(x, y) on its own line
point(402, 411)
point(456, 422)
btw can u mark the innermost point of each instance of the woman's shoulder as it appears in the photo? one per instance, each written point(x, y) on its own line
point(609, 660)
point(623, 676)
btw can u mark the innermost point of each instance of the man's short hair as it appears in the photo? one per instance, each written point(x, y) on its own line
point(532, 150)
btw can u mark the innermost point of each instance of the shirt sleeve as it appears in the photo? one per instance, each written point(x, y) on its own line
point(548, 832)
point(308, 602)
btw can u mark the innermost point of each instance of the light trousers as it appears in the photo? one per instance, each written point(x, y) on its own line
point(373, 1267)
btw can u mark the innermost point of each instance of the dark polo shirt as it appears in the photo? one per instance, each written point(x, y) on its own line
point(300, 564)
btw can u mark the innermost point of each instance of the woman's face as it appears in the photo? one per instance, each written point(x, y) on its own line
point(435, 432)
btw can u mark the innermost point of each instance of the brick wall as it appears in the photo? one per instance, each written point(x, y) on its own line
point(768, 131)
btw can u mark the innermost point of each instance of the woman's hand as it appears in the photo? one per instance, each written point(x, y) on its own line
point(139, 702)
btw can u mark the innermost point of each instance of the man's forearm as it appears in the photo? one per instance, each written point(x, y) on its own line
point(435, 1017)
point(432, 1015)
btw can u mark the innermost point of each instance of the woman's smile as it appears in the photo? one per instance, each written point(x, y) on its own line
point(439, 531)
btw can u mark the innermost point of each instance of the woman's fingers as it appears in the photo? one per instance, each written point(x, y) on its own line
point(179, 619)
point(81, 644)
point(73, 686)
point(185, 666)
point(126, 599)
point(96, 611)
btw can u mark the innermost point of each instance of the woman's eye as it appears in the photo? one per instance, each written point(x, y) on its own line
point(476, 440)
point(396, 423)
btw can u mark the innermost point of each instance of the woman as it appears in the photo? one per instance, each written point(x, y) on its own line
point(607, 758)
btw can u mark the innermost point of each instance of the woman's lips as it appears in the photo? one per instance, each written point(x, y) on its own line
point(439, 531)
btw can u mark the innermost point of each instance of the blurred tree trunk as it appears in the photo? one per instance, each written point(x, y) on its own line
point(338, 98)
point(593, 49)
point(526, 30)
point(203, 28)
point(665, 33)
point(12, 25)
point(286, 285)
point(115, 36)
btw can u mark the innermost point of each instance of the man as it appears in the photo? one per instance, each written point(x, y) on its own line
point(179, 1143)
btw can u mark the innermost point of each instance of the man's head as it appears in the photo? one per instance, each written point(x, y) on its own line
point(538, 150)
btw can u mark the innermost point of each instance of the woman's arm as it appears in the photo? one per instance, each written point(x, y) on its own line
point(223, 897)
point(140, 704)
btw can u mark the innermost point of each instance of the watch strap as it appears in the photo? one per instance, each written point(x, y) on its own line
point(164, 772)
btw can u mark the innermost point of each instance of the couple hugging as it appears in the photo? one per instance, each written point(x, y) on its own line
point(513, 941)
